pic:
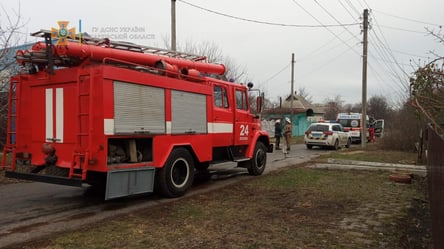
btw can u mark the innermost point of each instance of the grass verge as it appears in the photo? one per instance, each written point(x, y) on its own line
point(371, 153)
point(295, 207)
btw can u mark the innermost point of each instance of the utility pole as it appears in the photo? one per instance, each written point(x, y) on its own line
point(292, 86)
point(173, 25)
point(364, 83)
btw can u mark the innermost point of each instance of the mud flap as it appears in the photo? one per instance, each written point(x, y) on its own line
point(125, 182)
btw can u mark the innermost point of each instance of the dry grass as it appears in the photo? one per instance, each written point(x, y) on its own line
point(292, 208)
point(295, 207)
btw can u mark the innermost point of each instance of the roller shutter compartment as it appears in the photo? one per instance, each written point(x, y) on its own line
point(189, 113)
point(138, 108)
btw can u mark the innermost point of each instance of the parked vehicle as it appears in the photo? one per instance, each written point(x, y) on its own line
point(379, 127)
point(352, 122)
point(327, 135)
point(127, 118)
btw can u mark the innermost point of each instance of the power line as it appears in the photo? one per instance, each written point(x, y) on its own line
point(353, 7)
point(362, 6)
point(330, 48)
point(326, 63)
point(405, 30)
point(266, 22)
point(388, 61)
point(276, 74)
point(333, 33)
point(407, 19)
point(386, 52)
point(402, 52)
point(400, 92)
point(332, 16)
point(348, 11)
point(373, 70)
point(387, 55)
point(380, 81)
point(394, 50)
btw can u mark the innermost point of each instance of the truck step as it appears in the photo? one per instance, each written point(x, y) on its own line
point(241, 159)
point(45, 178)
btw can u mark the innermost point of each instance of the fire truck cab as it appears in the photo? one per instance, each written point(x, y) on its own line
point(128, 118)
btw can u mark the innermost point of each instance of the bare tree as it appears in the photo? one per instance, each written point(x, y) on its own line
point(333, 106)
point(437, 34)
point(302, 91)
point(214, 54)
point(402, 130)
point(378, 107)
point(427, 88)
point(10, 35)
point(357, 107)
point(426, 104)
point(348, 108)
point(11, 25)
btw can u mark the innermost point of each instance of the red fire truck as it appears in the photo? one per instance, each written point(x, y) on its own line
point(132, 119)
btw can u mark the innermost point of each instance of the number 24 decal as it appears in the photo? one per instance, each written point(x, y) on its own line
point(243, 130)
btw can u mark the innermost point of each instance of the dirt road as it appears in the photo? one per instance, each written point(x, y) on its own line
point(32, 210)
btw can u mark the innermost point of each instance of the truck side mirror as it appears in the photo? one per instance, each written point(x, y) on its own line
point(258, 104)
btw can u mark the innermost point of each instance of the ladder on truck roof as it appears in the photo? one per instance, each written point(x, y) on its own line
point(122, 45)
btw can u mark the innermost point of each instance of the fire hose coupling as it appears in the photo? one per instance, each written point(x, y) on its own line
point(50, 152)
point(50, 159)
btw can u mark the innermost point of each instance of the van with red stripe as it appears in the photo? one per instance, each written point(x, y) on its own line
point(352, 123)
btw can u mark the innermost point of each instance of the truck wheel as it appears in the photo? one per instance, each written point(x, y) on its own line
point(309, 146)
point(256, 165)
point(176, 177)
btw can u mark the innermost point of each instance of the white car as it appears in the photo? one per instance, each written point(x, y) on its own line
point(327, 135)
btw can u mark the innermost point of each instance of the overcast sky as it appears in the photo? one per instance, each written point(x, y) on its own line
point(328, 59)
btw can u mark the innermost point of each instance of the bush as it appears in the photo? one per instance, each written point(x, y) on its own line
point(402, 130)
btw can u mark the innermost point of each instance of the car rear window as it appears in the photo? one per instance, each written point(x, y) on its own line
point(318, 128)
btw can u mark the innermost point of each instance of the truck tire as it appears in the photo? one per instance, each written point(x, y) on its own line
point(177, 175)
point(256, 165)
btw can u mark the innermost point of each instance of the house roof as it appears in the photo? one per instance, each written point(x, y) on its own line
point(300, 105)
point(284, 111)
point(298, 102)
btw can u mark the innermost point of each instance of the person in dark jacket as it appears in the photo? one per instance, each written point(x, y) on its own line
point(278, 133)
